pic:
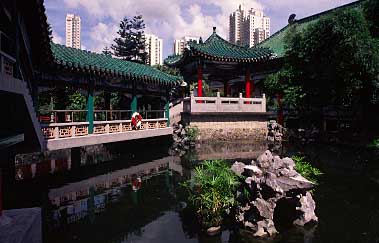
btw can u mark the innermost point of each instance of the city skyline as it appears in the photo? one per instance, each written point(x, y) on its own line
point(169, 20)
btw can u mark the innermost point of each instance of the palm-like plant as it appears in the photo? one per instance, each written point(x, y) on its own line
point(212, 191)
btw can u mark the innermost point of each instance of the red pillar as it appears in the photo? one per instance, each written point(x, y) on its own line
point(199, 81)
point(248, 84)
point(280, 110)
point(226, 88)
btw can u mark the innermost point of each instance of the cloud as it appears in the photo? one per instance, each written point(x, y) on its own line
point(171, 19)
point(102, 35)
point(57, 38)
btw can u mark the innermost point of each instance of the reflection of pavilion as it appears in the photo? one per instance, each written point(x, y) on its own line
point(73, 200)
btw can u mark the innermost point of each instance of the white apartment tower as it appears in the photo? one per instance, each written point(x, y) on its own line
point(180, 44)
point(250, 28)
point(154, 49)
point(235, 26)
point(73, 31)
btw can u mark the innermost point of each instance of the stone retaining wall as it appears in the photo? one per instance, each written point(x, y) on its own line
point(229, 127)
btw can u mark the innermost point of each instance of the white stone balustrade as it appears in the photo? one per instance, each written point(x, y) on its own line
point(194, 104)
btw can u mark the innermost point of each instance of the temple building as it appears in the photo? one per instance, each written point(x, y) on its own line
point(225, 67)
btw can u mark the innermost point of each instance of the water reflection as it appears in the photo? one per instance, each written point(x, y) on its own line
point(134, 198)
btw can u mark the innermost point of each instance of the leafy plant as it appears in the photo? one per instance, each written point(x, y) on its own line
point(212, 191)
point(374, 143)
point(77, 101)
point(192, 133)
point(306, 169)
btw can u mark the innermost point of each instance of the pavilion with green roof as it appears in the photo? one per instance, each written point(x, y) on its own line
point(220, 61)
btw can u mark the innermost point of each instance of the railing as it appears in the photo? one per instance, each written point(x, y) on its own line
point(70, 116)
point(78, 129)
point(223, 104)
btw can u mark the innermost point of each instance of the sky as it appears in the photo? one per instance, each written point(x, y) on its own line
point(169, 19)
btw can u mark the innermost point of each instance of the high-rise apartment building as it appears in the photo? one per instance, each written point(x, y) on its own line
point(73, 31)
point(154, 49)
point(235, 26)
point(180, 44)
point(248, 28)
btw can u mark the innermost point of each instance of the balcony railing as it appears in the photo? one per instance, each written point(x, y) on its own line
point(70, 116)
point(78, 129)
point(194, 104)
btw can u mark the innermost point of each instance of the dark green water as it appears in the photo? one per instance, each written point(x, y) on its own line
point(95, 201)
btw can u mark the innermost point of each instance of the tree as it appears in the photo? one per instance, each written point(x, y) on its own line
point(334, 61)
point(167, 69)
point(107, 51)
point(130, 45)
point(371, 9)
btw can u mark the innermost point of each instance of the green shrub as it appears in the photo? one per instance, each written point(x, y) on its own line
point(192, 133)
point(212, 191)
point(306, 169)
point(374, 143)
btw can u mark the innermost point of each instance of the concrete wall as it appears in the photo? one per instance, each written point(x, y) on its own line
point(228, 127)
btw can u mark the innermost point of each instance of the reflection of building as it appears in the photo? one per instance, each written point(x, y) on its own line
point(74, 200)
point(43, 168)
point(248, 28)
point(154, 48)
point(73, 31)
point(180, 44)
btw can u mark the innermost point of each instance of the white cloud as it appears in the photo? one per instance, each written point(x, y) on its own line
point(171, 19)
point(57, 38)
point(102, 35)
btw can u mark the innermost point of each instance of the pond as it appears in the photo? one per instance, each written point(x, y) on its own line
point(129, 193)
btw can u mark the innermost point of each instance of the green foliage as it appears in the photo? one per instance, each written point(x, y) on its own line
point(77, 101)
point(371, 9)
point(282, 82)
point(45, 109)
point(192, 133)
point(167, 69)
point(374, 143)
point(130, 45)
point(333, 61)
point(212, 191)
point(107, 51)
point(306, 169)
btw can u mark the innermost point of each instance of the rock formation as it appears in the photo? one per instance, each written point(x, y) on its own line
point(181, 143)
point(274, 132)
point(273, 196)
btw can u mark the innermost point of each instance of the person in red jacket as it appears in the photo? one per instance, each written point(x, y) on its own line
point(136, 121)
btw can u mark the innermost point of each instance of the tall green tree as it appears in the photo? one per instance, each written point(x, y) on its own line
point(107, 51)
point(130, 45)
point(371, 10)
point(334, 61)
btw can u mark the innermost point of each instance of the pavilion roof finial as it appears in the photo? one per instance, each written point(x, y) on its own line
point(214, 29)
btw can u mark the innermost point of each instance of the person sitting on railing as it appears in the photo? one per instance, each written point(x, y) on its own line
point(136, 121)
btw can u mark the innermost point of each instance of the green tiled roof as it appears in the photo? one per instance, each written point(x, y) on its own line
point(100, 63)
point(277, 41)
point(217, 49)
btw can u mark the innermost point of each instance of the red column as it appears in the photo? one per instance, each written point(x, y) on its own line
point(226, 88)
point(280, 110)
point(199, 81)
point(247, 84)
